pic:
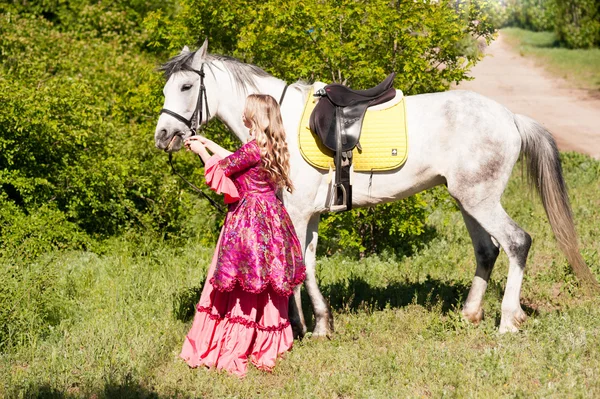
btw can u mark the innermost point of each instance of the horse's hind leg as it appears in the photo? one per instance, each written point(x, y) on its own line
point(516, 243)
point(486, 253)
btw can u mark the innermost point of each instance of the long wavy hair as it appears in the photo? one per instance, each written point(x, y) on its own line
point(264, 115)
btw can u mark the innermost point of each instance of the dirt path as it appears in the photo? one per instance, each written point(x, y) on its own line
point(572, 115)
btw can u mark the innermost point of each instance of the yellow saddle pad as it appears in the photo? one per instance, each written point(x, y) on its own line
point(383, 140)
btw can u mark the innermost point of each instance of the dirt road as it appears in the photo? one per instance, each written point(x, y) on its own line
point(572, 115)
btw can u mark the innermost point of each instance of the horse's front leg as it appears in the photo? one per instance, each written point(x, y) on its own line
point(307, 230)
point(321, 309)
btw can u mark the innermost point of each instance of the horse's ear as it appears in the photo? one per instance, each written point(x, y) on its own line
point(185, 50)
point(200, 54)
point(202, 51)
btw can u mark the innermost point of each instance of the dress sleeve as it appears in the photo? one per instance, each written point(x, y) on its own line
point(247, 156)
point(218, 181)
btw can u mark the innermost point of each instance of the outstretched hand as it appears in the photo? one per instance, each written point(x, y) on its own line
point(197, 145)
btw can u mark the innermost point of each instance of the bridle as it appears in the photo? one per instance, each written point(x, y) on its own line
point(195, 127)
point(197, 115)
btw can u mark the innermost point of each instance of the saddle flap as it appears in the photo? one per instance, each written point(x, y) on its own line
point(354, 115)
point(322, 122)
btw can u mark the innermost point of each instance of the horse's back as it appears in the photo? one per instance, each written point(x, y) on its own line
point(459, 123)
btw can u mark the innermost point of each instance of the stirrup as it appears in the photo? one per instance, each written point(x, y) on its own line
point(344, 205)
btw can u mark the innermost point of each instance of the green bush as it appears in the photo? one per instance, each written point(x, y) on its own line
point(77, 127)
point(396, 228)
point(575, 22)
point(361, 45)
point(26, 236)
point(535, 15)
point(578, 23)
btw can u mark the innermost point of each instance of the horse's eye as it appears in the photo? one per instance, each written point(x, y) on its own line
point(186, 87)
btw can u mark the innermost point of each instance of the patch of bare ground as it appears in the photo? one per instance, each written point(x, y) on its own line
point(571, 115)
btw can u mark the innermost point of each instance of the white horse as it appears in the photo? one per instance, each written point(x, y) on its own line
point(457, 138)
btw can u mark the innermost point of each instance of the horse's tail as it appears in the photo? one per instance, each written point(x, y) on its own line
point(544, 173)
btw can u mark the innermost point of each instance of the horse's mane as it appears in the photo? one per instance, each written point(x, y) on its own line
point(243, 74)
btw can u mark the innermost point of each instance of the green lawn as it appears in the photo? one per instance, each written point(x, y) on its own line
point(581, 67)
point(121, 320)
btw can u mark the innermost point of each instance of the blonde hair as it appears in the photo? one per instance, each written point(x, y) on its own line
point(264, 115)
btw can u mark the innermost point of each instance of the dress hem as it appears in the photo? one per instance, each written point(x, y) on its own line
point(240, 320)
point(269, 282)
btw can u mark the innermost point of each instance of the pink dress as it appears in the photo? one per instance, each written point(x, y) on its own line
point(243, 310)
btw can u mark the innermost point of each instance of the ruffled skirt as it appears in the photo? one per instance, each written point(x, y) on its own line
point(234, 327)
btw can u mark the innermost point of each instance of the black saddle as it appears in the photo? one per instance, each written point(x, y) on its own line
point(340, 105)
point(337, 120)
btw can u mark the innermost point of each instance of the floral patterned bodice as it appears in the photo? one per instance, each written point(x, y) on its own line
point(259, 246)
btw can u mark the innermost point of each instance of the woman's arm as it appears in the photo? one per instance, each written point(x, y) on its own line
point(214, 147)
point(245, 157)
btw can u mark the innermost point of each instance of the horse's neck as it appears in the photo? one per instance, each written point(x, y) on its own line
point(232, 101)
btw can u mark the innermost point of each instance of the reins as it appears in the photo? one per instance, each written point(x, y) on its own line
point(197, 116)
point(193, 186)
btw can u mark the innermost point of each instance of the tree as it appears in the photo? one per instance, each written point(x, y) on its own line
point(578, 23)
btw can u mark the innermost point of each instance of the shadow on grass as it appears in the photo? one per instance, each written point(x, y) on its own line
point(125, 390)
point(184, 303)
point(357, 294)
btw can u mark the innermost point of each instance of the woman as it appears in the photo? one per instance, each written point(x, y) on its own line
point(243, 309)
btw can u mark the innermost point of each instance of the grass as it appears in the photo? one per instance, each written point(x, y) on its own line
point(581, 67)
point(398, 328)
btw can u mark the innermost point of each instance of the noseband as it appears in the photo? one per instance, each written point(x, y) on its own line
point(198, 112)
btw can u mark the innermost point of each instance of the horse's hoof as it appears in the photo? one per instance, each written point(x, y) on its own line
point(298, 328)
point(321, 331)
point(511, 321)
point(474, 317)
point(299, 332)
point(320, 335)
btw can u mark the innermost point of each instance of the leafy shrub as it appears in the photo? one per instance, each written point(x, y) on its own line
point(76, 131)
point(396, 228)
point(26, 236)
point(363, 43)
point(578, 23)
point(31, 301)
point(535, 15)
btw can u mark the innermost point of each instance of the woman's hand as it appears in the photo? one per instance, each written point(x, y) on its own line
point(195, 145)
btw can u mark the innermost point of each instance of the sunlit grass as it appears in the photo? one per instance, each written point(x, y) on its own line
point(581, 67)
point(398, 328)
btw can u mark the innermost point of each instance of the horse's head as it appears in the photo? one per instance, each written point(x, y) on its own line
point(185, 106)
